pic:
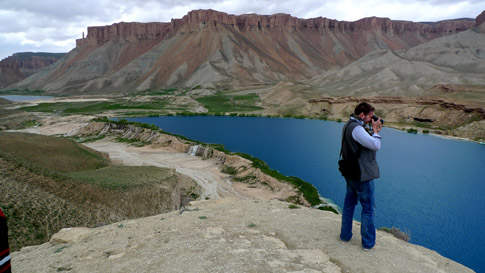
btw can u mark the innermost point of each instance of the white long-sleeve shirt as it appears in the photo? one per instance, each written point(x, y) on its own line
point(360, 135)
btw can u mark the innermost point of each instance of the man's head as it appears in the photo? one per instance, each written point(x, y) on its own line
point(364, 111)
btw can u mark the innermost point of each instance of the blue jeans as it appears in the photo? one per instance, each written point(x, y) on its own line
point(363, 192)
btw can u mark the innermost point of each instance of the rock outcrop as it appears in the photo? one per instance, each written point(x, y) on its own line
point(437, 113)
point(21, 65)
point(212, 48)
point(227, 235)
point(214, 20)
point(480, 19)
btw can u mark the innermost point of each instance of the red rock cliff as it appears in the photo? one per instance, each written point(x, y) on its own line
point(29, 60)
point(21, 65)
point(198, 19)
point(480, 19)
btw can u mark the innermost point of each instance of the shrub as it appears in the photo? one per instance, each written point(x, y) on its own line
point(328, 208)
point(194, 195)
point(396, 232)
point(229, 170)
point(293, 206)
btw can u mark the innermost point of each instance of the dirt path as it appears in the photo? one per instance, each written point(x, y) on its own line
point(205, 172)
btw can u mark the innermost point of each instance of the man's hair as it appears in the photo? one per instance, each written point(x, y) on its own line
point(363, 107)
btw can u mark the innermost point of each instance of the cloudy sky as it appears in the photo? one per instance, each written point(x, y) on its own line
point(53, 25)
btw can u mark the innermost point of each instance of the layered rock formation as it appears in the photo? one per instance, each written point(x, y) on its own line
point(437, 112)
point(21, 65)
point(457, 59)
point(214, 48)
point(201, 19)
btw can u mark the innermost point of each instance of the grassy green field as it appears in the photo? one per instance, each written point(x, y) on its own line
point(57, 154)
point(75, 161)
point(223, 103)
point(94, 107)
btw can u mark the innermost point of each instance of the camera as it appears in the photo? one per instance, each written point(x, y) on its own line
point(375, 118)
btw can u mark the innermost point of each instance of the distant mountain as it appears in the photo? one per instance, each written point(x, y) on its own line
point(212, 48)
point(21, 65)
point(455, 59)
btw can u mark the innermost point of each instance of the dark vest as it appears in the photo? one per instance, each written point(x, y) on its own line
point(367, 157)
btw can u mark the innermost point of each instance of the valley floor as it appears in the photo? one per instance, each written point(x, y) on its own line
point(206, 172)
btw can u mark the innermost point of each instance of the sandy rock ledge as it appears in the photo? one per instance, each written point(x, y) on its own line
point(227, 235)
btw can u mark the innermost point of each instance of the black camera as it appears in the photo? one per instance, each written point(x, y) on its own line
point(375, 118)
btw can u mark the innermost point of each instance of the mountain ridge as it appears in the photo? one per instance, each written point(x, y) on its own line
point(23, 64)
point(218, 49)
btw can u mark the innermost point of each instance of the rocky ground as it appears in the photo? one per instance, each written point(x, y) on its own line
point(227, 235)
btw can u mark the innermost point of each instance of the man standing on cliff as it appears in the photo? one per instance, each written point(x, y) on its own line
point(360, 145)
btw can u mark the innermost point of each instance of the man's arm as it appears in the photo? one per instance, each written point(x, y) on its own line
point(371, 142)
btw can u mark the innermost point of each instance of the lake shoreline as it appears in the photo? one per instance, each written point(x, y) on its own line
point(270, 188)
point(447, 133)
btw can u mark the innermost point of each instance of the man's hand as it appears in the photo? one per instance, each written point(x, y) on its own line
point(376, 125)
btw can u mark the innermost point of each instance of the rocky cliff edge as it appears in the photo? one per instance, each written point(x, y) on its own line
point(214, 20)
point(227, 235)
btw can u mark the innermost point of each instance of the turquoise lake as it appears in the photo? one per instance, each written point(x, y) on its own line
point(431, 187)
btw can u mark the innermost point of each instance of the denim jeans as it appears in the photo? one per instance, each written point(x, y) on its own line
point(363, 192)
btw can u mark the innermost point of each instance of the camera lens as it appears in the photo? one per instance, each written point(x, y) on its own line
point(375, 118)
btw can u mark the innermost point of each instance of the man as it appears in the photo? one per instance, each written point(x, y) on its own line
point(360, 144)
point(4, 250)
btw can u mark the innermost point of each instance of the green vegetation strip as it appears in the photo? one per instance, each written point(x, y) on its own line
point(23, 92)
point(309, 192)
point(221, 103)
point(93, 107)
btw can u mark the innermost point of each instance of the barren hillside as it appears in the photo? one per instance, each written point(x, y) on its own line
point(212, 48)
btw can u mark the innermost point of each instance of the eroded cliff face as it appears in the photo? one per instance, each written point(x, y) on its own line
point(412, 33)
point(214, 48)
point(21, 65)
point(435, 115)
